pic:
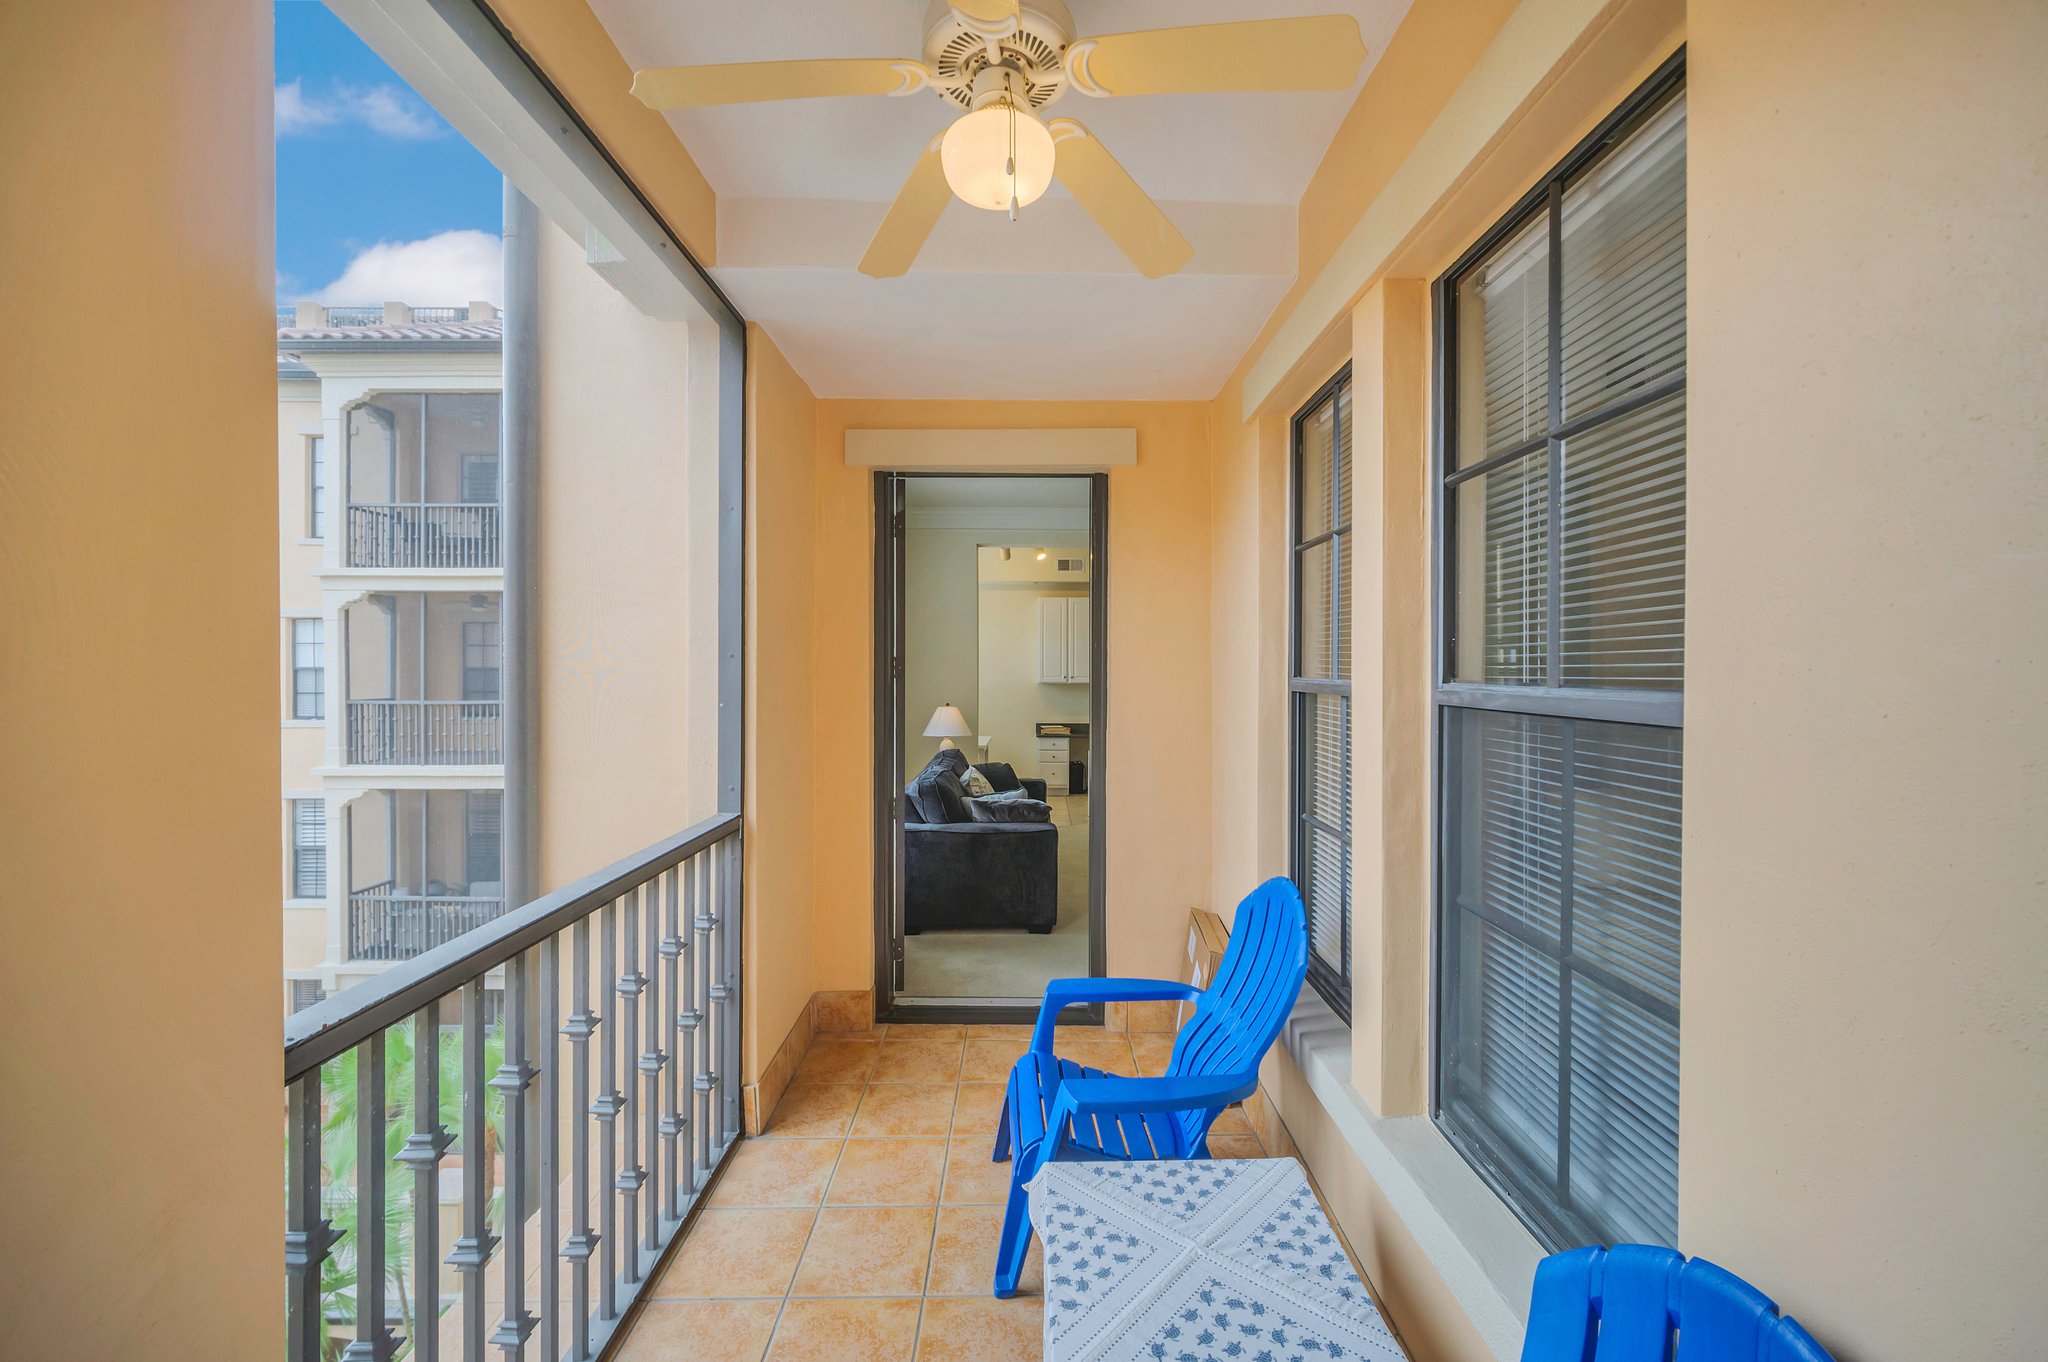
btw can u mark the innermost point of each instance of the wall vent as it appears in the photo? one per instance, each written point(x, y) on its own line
point(1072, 564)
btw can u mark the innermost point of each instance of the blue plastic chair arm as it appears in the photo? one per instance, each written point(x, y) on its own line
point(1061, 994)
point(1110, 1096)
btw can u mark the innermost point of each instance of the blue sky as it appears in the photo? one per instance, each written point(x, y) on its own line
point(374, 191)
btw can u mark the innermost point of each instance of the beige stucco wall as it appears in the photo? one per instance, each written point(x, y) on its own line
point(143, 1130)
point(784, 681)
point(1864, 1110)
point(627, 576)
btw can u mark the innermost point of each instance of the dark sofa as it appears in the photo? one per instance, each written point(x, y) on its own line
point(961, 872)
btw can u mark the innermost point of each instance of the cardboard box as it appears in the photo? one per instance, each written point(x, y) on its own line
point(1207, 940)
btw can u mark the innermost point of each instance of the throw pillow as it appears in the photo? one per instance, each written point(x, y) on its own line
point(1001, 775)
point(976, 783)
point(953, 799)
point(1000, 810)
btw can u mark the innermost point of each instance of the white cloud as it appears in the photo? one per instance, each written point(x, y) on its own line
point(384, 109)
point(444, 270)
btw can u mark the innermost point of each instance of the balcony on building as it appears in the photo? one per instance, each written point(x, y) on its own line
point(423, 678)
point(424, 866)
point(423, 482)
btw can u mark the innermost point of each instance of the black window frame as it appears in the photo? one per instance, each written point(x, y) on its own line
point(1333, 985)
point(1557, 1225)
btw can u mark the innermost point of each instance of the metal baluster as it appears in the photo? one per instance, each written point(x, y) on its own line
point(422, 1153)
point(473, 1250)
point(373, 1341)
point(550, 1151)
point(631, 1175)
point(514, 1073)
point(671, 948)
point(652, 1062)
point(706, 1080)
point(308, 1236)
point(688, 1019)
point(732, 918)
point(582, 1240)
point(718, 995)
point(606, 1109)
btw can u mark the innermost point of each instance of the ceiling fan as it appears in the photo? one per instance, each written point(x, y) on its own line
point(1004, 61)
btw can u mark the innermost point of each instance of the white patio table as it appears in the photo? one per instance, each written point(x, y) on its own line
point(1215, 1260)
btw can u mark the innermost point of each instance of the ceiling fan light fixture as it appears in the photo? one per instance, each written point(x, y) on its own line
point(1000, 156)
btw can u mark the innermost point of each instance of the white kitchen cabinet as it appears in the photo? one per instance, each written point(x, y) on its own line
point(1063, 640)
point(1052, 763)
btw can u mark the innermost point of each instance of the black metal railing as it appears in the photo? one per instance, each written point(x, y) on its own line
point(410, 534)
point(425, 733)
point(613, 1116)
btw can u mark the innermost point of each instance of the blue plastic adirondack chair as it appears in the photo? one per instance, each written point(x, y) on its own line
point(1624, 1304)
point(1091, 1114)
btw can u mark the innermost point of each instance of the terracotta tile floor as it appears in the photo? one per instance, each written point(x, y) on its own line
point(861, 1225)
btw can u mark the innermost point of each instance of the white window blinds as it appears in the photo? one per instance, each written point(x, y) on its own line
point(309, 848)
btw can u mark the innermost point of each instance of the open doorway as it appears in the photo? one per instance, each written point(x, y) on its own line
point(989, 714)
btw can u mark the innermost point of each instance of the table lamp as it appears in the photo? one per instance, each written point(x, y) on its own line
point(947, 724)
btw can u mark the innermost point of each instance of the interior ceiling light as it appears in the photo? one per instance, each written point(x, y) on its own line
point(998, 157)
point(1041, 555)
point(1004, 62)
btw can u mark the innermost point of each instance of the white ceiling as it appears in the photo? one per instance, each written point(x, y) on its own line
point(1042, 308)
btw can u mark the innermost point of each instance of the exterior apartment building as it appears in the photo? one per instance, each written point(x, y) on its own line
point(391, 586)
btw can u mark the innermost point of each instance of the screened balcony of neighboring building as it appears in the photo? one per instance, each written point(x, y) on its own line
point(423, 481)
point(423, 679)
point(424, 866)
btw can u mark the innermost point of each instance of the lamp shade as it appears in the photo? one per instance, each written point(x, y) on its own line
point(980, 166)
point(947, 722)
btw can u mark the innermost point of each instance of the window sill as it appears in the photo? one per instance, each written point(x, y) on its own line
point(1485, 1256)
point(305, 723)
point(307, 905)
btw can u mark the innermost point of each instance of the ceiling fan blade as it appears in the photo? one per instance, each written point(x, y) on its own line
point(1319, 52)
point(1115, 201)
point(987, 11)
point(694, 87)
point(910, 219)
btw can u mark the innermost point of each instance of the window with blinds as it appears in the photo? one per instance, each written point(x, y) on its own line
point(316, 487)
point(1560, 698)
point(482, 660)
point(309, 848)
point(481, 847)
point(1320, 682)
point(309, 669)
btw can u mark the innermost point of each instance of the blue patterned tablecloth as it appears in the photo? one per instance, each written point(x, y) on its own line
point(1217, 1260)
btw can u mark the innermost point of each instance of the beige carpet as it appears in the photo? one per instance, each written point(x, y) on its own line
point(983, 965)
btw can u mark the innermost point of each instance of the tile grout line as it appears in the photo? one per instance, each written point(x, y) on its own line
point(823, 1192)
